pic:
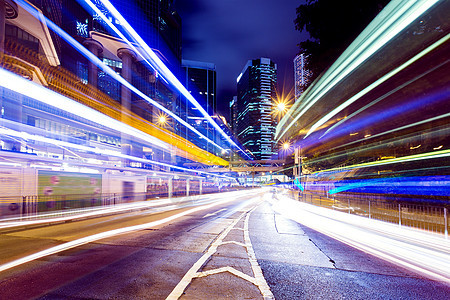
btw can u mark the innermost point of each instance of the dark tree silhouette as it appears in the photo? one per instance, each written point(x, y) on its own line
point(332, 26)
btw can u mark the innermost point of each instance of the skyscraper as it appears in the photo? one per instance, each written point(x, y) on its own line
point(255, 124)
point(233, 114)
point(301, 74)
point(201, 82)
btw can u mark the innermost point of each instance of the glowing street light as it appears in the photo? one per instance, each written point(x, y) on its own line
point(286, 145)
point(281, 106)
point(162, 120)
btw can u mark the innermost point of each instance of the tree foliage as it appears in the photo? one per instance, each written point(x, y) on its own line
point(332, 26)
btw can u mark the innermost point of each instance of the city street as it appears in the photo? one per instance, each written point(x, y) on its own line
point(207, 252)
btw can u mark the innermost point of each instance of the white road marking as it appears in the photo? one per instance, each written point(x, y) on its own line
point(227, 269)
point(192, 273)
point(214, 213)
point(187, 278)
point(237, 228)
point(234, 242)
point(260, 280)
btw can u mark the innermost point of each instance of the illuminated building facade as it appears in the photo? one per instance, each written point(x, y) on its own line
point(255, 124)
point(200, 81)
point(157, 23)
point(301, 74)
point(72, 74)
point(233, 114)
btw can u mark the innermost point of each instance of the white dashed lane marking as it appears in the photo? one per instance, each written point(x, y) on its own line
point(194, 272)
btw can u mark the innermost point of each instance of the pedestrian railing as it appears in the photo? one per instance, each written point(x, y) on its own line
point(431, 217)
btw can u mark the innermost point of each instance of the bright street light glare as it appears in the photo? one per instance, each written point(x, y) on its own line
point(281, 106)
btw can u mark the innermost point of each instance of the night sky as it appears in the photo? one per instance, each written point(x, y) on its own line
point(230, 32)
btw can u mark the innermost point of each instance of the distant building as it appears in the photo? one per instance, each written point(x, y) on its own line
point(255, 123)
point(301, 74)
point(233, 114)
point(201, 83)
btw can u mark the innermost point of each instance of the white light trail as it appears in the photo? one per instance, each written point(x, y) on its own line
point(108, 234)
point(108, 70)
point(29, 89)
point(390, 22)
point(391, 92)
point(159, 65)
point(107, 152)
point(422, 252)
point(373, 85)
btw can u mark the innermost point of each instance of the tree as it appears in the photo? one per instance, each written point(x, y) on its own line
point(332, 26)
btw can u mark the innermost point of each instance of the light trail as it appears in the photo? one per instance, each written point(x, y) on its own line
point(90, 56)
point(412, 185)
point(27, 136)
point(22, 86)
point(159, 65)
point(402, 128)
point(372, 86)
point(390, 22)
point(416, 157)
point(339, 123)
point(111, 233)
point(422, 252)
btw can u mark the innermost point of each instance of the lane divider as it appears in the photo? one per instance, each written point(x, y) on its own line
point(193, 272)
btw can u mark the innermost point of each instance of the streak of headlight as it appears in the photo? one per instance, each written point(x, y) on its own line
point(416, 185)
point(27, 136)
point(422, 156)
point(22, 86)
point(423, 252)
point(160, 66)
point(298, 184)
point(383, 97)
point(373, 85)
point(108, 70)
point(400, 128)
point(122, 207)
point(107, 234)
point(391, 21)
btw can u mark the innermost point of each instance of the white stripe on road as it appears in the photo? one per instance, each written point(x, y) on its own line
point(260, 280)
point(227, 269)
point(192, 273)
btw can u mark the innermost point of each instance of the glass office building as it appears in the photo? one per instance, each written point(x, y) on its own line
point(255, 124)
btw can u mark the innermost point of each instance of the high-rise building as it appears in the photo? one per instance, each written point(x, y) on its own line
point(301, 74)
point(233, 114)
point(158, 23)
point(201, 82)
point(255, 125)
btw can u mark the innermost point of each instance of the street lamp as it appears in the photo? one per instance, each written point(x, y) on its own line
point(162, 120)
point(281, 106)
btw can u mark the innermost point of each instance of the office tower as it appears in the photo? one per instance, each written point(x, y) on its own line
point(158, 23)
point(255, 126)
point(301, 74)
point(233, 114)
point(200, 81)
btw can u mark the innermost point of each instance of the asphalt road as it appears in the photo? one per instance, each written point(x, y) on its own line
point(241, 249)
